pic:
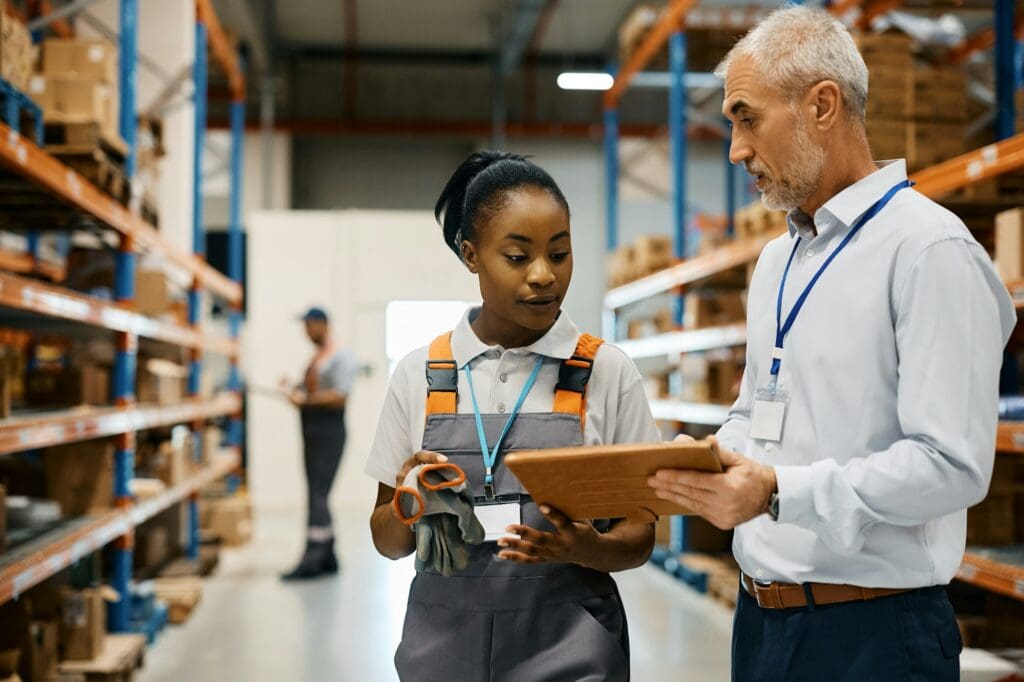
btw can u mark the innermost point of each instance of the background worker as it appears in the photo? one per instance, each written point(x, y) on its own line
point(866, 422)
point(321, 398)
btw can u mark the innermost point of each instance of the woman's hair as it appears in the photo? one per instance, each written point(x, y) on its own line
point(480, 187)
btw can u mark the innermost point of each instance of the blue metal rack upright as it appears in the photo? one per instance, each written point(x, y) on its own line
point(127, 343)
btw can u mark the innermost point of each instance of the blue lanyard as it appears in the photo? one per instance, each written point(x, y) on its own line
point(782, 329)
point(491, 456)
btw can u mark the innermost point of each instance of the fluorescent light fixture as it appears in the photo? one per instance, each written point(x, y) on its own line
point(585, 80)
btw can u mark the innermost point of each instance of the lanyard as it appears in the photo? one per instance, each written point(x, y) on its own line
point(782, 329)
point(491, 456)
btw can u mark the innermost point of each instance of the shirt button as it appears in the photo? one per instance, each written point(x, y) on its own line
point(504, 378)
point(810, 252)
point(769, 447)
point(501, 408)
point(759, 573)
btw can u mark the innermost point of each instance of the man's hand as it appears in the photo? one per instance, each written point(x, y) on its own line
point(728, 499)
point(572, 542)
point(297, 398)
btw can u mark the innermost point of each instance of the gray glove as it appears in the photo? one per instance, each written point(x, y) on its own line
point(437, 502)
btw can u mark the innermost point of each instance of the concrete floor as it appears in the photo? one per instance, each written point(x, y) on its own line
point(252, 627)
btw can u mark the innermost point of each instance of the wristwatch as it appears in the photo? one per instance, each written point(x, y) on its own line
point(773, 507)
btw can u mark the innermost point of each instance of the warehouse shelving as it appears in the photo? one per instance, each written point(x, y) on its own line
point(86, 423)
point(59, 199)
point(991, 571)
point(58, 549)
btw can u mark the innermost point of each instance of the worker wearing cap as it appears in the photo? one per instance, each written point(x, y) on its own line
point(321, 397)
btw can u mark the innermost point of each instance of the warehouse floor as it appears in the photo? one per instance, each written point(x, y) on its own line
point(250, 626)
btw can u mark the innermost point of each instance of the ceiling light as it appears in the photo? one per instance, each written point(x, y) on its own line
point(579, 80)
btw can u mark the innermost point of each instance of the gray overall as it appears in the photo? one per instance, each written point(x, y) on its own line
point(499, 621)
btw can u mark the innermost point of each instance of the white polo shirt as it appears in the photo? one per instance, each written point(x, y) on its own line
point(617, 407)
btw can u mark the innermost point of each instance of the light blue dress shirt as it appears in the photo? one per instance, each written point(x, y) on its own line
point(892, 369)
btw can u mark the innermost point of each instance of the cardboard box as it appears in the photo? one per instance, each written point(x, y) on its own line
point(931, 143)
point(75, 100)
point(83, 626)
point(152, 293)
point(80, 476)
point(161, 382)
point(83, 385)
point(938, 94)
point(890, 49)
point(229, 519)
point(172, 464)
point(17, 54)
point(1010, 244)
point(92, 59)
point(652, 253)
point(887, 137)
point(722, 308)
point(152, 546)
point(41, 653)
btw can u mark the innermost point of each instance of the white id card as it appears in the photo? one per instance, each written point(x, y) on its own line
point(769, 414)
point(495, 518)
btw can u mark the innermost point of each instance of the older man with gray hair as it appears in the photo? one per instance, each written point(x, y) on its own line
point(867, 417)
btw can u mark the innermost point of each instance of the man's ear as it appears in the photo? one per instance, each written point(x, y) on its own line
point(826, 99)
point(469, 256)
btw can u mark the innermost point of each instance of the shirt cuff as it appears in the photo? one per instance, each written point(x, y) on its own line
point(796, 494)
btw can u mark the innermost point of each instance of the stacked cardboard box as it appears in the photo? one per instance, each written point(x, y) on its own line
point(80, 476)
point(890, 68)
point(16, 51)
point(1009, 255)
point(78, 83)
point(228, 519)
point(755, 219)
point(648, 255)
point(913, 112)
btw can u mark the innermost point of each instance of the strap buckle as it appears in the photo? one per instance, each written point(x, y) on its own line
point(574, 374)
point(442, 376)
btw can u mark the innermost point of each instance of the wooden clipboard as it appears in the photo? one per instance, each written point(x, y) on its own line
point(608, 481)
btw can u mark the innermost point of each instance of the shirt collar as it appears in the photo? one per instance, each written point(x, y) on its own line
point(844, 208)
point(559, 342)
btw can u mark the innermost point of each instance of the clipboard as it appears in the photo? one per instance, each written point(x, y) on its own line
point(609, 481)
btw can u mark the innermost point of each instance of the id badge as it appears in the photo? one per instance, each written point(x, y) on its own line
point(498, 514)
point(769, 414)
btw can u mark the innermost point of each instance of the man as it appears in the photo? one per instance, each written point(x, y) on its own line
point(866, 421)
point(321, 398)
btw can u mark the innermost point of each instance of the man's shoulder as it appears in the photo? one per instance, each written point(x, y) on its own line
point(917, 222)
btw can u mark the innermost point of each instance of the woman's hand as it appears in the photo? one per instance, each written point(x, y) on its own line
point(297, 398)
point(572, 542)
point(421, 457)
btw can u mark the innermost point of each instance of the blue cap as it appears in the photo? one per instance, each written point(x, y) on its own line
point(314, 314)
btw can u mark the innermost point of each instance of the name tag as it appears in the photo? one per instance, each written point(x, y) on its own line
point(769, 414)
point(495, 518)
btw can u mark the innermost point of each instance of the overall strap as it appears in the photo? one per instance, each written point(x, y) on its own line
point(442, 377)
point(573, 375)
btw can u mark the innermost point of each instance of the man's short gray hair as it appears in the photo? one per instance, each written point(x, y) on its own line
point(796, 47)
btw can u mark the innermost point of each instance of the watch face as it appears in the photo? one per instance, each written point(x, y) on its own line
point(773, 506)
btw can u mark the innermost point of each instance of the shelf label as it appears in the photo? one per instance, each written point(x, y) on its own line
point(990, 154)
point(79, 550)
point(974, 169)
point(967, 572)
point(1018, 587)
point(22, 582)
point(1018, 440)
point(74, 186)
point(56, 563)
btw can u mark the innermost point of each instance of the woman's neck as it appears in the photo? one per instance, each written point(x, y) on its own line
point(495, 331)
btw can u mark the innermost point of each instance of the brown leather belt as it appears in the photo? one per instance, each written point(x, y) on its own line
point(786, 596)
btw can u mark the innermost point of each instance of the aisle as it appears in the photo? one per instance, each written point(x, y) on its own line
point(252, 627)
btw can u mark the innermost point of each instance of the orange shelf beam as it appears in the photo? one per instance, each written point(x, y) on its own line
point(983, 40)
point(86, 423)
point(57, 302)
point(63, 547)
point(972, 167)
point(992, 575)
point(221, 48)
point(1010, 437)
point(25, 158)
point(670, 21)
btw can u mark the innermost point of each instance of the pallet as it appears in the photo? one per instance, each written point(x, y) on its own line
point(78, 137)
point(122, 655)
point(209, 558)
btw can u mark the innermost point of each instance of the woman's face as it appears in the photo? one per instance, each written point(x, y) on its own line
point(523, 257)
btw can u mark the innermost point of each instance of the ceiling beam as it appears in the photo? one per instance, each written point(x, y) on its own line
point(371, 55)
point(519, 36)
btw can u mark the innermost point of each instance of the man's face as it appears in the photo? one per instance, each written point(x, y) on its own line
point(317, 331)
point(771, 138)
